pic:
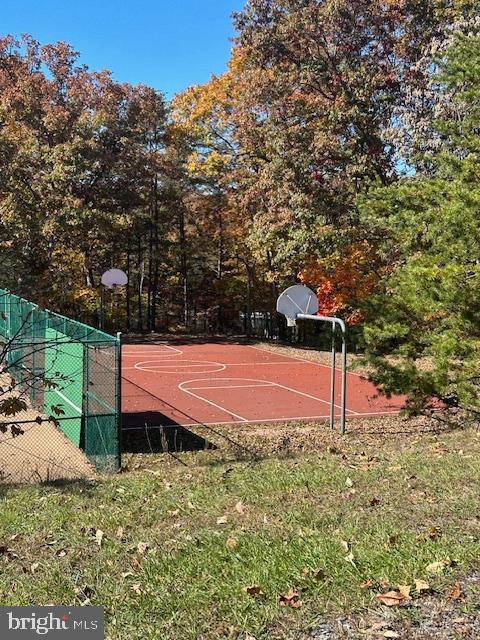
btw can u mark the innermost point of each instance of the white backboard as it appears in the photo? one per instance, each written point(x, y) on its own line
point(114, 278)
point(297, 299)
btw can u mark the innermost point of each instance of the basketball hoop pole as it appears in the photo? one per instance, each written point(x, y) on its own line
point(340, 323)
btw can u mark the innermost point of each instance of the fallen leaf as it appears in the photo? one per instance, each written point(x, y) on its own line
point(390, 634)
point(253, 590)
point(404, 590)
point(377, 626)
point(34, 567)
point(222, 520)
point(345, 545)
point(392, 598)
point(142, 547)
point(99, 535)
point(231, 543)
point(438, 567)
point(319, 574)
point(421, 585)
point(240, 508)
point(349, 482)
point(290, 599)
point(374, 502)
point(367, 584)
point(456, 592)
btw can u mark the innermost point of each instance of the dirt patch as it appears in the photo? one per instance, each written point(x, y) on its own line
point(40, 453)
point(432, 617)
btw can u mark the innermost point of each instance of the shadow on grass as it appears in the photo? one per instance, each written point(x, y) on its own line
point(146, 432)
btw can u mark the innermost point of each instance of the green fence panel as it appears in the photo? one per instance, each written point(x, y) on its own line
point(59, 363)
point(64, 366)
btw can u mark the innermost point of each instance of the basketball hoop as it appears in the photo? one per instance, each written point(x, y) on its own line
point(299, 302)
point(113, 278)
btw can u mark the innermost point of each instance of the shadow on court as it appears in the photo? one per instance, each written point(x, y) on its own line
point(145, 432)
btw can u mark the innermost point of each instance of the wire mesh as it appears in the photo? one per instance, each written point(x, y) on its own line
point(67, 375)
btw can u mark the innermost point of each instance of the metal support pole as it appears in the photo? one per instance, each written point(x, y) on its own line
point(102, 307)
point(344, 375)
point(332, 381)
point(118, 402)
point(334, 322)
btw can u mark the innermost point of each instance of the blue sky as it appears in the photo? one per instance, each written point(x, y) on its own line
point(167, 44)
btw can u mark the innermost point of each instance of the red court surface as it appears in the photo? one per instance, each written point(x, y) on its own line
point(189, 383)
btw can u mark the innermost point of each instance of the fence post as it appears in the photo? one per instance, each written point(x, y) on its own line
point(118, 399)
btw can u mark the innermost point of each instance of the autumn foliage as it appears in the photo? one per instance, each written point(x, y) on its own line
point(343, 282)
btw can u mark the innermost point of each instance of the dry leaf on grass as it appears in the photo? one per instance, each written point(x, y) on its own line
point(231, 543)
point(99, 535)
point(439, 566)
point(222, 520)
point(367, 584)
point(290, 599)
point(393, 598)
point(456, 592)
point(421, 585)
point(240, 508)
point(142, 547)
point(390, 634)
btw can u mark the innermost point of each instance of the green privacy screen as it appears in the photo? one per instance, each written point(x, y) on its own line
point(70, 373)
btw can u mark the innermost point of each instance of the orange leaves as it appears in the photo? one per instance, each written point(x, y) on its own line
point(343, 281)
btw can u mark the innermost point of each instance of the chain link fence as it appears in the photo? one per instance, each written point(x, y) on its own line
point(59, 395)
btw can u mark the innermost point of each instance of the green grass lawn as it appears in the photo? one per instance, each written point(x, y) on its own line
point(200, 547)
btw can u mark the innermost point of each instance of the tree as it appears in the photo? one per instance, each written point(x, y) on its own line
point(423, 337)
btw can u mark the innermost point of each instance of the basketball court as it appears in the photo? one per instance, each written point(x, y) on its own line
point(187, 383)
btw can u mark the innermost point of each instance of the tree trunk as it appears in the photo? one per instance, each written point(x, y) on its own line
point(153, 315)
point(140, 283)
point(127, 293)
point(183, 262)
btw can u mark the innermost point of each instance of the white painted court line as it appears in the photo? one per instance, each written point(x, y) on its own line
point(180, 386)
point(272, 384)
point(238, 386)
point(64, 397)
point(307, 395)
point(162, 366)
